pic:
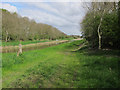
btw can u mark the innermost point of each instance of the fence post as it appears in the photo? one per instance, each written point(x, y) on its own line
point(20, 49)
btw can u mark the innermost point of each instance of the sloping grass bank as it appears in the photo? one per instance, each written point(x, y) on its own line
point(28, 47)
point(16, 43)
point(58, 66)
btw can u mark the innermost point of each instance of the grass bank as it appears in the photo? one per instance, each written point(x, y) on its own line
point(28, 47)
point(58, 66)
point(16, 43)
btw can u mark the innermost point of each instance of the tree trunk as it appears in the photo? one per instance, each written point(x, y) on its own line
point(6, 39)
point(119, 12)
point(99, 32)
point(9, 38)
point(6, 36)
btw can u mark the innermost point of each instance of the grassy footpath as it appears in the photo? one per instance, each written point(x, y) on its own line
point(58, 66)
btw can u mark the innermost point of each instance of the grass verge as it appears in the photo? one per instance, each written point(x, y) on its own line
point(57, 66)
point(16, 43)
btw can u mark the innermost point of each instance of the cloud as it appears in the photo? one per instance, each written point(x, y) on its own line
point(8, 7)
point(66, 16)
point(44, 17)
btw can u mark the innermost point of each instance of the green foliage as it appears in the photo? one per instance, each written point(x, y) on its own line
point(110, 31)
point(89, 29)
point(109, 28)
point(15, 27)
point(119, 12)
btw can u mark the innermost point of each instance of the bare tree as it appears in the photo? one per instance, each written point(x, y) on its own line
point(99, 32)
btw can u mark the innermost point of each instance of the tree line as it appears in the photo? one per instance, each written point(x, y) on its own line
point(15, 27)
point(101, 25)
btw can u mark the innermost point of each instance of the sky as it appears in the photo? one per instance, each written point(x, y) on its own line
point(66, 16)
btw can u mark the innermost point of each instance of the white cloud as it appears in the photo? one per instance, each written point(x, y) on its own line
point(66, 16)
point(44, 17)
point(8, 7)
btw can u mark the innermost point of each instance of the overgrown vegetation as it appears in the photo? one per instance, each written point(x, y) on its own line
point(101, 25)
point(58, 67)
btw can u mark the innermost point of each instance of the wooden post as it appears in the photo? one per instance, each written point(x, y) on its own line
point(6, 36)
point(20, 49)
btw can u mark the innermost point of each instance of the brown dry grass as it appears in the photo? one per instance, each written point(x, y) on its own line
point(7, 49)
